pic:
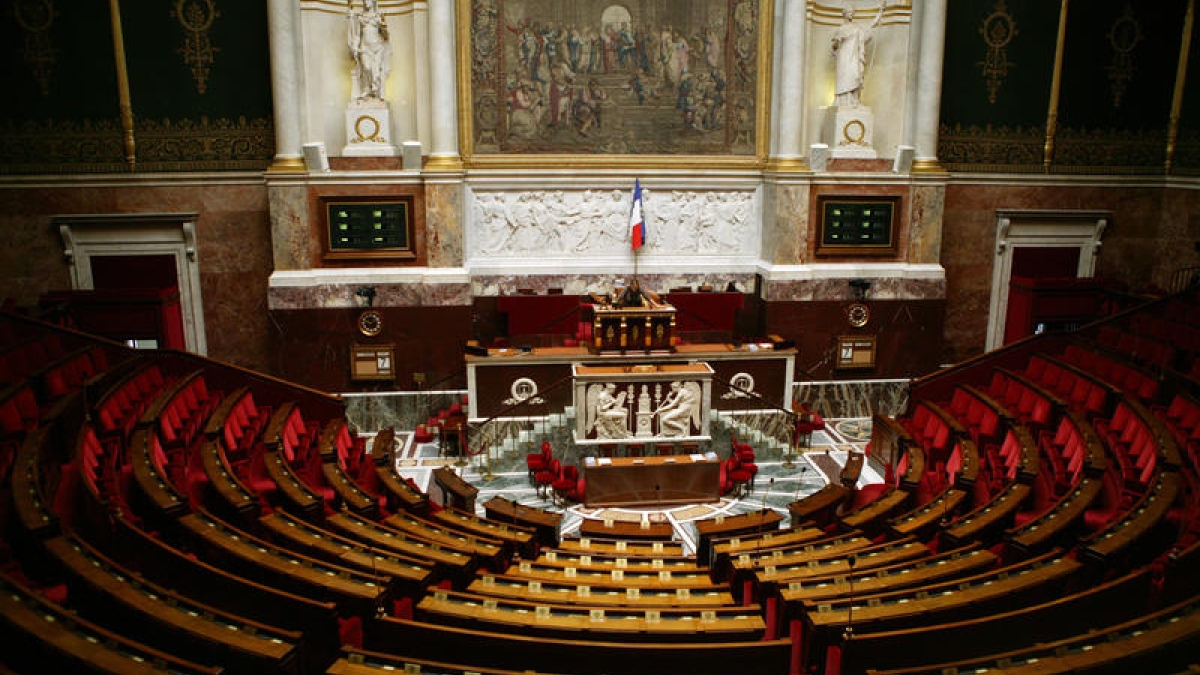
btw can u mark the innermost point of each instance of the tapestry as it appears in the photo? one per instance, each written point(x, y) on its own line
point(665, 77)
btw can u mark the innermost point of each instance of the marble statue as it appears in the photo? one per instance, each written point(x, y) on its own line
point(680, 410)
point(606, 412)
point(370, 50)
point(850, 42)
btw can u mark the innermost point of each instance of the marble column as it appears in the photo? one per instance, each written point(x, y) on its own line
point(789, 89)
point(443, 155)
point(283, 21)
point(929, 84)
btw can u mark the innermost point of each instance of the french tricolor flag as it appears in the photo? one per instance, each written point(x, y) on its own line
point(637, 222)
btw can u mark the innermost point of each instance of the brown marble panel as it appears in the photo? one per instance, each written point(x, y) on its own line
point(1138, 246)
point(443, 229)
point(232, 238)
point(908, 334)
point(312, 346)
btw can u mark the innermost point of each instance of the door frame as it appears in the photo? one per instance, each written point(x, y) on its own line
point(126, 234)
point(1015, 228)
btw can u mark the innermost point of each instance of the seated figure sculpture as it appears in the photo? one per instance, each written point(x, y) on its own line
point(680, 410)
point(606, 412)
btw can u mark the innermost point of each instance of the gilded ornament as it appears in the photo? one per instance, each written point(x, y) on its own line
point(361, 136)
point(1123, 36)
point(853, 132)
point(197, 17)
point(35, 18)
point(998, 31)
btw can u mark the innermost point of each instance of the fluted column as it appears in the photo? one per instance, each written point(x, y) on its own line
point(789, 89)
point(283, 22)
point(443, 154)
point(929, 84)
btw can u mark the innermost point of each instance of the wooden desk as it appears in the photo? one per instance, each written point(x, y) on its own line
point(724, 527)
point(354, 591)
point(543, 522)
point(632, 549)
point(905, 575)
point(1140, 521)
point(853, 469)
point(629, 531)
point(616, 595)
point(351, 494)
point(164, 497)
point(33, 513)
point(456, 492)
point(296, 495)
point(661, 624)
point(170, 620)
point(399, 493)
point(633, 329)
point(67, 643)
point(485, 550)
point(923, 520)
point(514, 537)
point(458, 564)
point(870, 518)
point(820, 508)
point(411, 575)
point(235, 496)
point(985, 523)
point(508, 649)
point(728, 549)
point(652, 481)
point(1045, 531)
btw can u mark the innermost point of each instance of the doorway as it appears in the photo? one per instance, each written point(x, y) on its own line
point(1040, 244)
point(142, 252)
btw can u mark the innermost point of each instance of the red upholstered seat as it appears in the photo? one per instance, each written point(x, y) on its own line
point(545, 479)
point(538, 461)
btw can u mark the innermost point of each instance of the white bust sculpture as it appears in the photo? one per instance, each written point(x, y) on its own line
point(370, 50)
point(849, 44)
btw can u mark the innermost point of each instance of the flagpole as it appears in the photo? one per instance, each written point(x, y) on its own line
point(637, 225)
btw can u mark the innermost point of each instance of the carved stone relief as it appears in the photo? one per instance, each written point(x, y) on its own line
point(576, 223)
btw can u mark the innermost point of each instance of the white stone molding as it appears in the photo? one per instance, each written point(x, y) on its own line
point(1042, 228)
point(172, 234)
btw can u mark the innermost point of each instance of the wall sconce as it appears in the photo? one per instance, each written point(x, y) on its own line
point(366, 296)
point(860, 288)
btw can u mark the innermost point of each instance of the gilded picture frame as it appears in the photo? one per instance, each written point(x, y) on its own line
point(571, 83)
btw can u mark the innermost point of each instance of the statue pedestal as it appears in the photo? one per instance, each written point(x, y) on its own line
point(368, 125)
point(848, 130)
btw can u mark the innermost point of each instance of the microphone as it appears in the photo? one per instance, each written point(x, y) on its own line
point(800, 482)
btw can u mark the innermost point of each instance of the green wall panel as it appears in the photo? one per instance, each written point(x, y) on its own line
point(60, 106)
point(193, 58)
point(999, 59)
point(1119, 64)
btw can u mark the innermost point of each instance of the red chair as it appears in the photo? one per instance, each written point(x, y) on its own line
point(566, 488)
point(539, 461)
point(545, 479)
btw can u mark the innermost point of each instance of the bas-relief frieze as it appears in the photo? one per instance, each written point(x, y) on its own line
point(577, 284)
point(584, 223)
